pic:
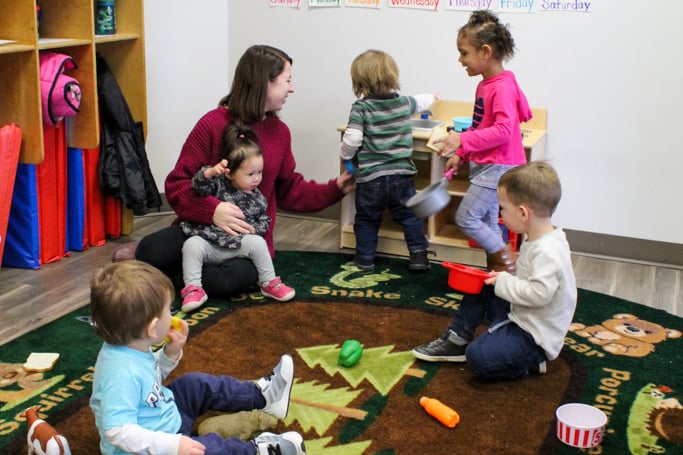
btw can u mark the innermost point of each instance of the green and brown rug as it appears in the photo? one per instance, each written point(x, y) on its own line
point(622, 357)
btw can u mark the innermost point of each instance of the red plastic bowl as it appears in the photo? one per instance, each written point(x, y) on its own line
point(465, 279)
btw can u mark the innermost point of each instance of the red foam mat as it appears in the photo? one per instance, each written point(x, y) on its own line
point(94, 200)
point(10, 144)
point(51, 184)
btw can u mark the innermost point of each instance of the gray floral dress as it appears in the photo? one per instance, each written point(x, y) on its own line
point(253, 205)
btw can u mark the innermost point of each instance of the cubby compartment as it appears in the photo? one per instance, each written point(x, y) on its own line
point(423, 163)
point(83, 128)
point(20, 100)
point(65, 23)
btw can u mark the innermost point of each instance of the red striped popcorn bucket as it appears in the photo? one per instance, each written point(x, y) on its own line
point(580, 425)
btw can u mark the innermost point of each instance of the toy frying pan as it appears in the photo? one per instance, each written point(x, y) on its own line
point(432, 199)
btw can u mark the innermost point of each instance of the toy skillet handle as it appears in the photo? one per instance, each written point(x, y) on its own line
point(449, 173)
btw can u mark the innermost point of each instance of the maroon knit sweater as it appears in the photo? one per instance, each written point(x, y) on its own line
point(282, 186)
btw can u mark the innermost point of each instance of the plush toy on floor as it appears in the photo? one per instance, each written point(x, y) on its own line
point(244, 424)
point(42, 438)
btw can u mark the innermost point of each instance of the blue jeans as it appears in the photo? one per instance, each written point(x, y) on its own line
point(197, 393)
point(372, 198)
point(505, 351)
point(477, 217)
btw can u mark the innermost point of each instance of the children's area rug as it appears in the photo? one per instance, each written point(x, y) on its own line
point(619, 356)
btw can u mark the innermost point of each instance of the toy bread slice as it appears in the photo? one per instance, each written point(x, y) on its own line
point(41, 361)
point(437, 133)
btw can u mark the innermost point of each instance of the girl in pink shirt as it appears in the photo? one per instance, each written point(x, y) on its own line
point(493, 144)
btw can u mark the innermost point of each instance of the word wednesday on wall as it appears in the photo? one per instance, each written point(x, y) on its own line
point(504, 6)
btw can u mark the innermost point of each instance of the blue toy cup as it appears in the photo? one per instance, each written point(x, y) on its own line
point(461, 123)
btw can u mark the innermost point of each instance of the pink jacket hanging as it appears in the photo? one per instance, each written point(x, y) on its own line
point(60, 94)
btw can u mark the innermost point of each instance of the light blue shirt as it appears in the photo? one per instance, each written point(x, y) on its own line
point(127, 389)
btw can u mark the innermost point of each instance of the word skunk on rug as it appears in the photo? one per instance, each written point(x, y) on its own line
point(42, 438)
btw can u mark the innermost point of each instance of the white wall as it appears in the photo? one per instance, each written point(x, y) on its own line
point(609, 79)
point(186, 52)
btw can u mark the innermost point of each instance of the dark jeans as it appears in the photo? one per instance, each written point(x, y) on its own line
point(163, 249)
point(504, 351)
point(372, 198)
point(197, 393)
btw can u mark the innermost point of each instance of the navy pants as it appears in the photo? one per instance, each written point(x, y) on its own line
point(372, 198)
point(197, 393)
point(504, 351)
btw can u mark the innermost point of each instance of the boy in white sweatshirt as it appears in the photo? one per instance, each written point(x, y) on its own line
point(528, 313)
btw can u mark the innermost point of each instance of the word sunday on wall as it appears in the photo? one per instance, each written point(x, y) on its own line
point(503, 6)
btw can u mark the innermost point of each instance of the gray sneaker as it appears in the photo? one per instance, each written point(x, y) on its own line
point(277, 386)
point(441, 350)
point(290, 443)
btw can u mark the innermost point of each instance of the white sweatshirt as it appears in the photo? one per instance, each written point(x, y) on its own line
point(542, 295)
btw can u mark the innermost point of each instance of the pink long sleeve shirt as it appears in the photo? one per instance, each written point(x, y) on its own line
point(495, 136)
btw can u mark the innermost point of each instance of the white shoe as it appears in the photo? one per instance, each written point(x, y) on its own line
point(290, 443)
point(277, 386)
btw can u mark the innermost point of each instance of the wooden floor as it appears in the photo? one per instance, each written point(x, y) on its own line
point(31, 298)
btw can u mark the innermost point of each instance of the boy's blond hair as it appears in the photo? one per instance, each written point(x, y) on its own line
point(125, 297)
point(535, 184)
point(374, 73)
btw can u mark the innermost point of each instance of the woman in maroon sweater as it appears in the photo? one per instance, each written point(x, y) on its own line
point(259, 90)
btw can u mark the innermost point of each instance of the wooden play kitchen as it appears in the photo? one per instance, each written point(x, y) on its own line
point(445, 238)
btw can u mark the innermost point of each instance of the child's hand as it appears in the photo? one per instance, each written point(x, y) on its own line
point(493, 277)
point(177, 338)
point(453, 162)
point(451, 143)
point(219, 169)
point(189, 446)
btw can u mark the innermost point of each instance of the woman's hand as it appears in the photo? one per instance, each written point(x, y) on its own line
point(230, 218)
point(345, 182)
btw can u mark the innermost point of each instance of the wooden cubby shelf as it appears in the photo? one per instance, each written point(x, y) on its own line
point(68, 27)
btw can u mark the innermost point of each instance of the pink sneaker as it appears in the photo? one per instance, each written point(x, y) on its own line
point(276, 289)
point(193, 298)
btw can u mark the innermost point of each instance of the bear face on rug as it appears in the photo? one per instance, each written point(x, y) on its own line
point(626, 334)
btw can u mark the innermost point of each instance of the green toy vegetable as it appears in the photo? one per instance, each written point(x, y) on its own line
point(350, 353)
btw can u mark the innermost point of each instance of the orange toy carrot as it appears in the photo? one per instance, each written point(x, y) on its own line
point(440, 411)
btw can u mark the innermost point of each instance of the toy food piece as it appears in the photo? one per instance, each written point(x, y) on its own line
point(41, 361)
point(175, 325)
point(440, 411)
point(350, 353)
point(438, 132)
